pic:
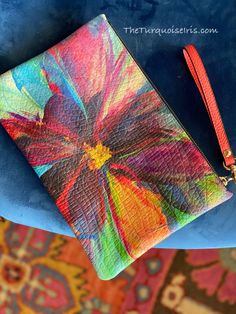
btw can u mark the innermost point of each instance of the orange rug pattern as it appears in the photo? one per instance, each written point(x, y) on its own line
point(44, 273)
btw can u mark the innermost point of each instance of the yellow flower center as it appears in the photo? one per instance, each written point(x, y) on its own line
point(97, 156)
point(39, 123)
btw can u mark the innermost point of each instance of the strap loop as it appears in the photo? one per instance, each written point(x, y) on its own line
point(201, 79)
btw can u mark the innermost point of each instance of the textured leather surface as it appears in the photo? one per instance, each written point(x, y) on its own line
point(22, 37)
point(120, 167)
point(201, 79)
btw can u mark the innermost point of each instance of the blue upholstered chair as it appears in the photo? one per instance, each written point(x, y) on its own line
point(29, 27)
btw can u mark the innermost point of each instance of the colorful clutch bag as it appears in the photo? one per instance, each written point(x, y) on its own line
point(119, 165)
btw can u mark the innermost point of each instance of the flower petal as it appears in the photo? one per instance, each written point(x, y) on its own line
point(59, 176)
point(123, 85)
point(39, 144)
point(137, 214)
point(56, 137)
point(175, 168)
point(63, 117)
point(82, 202)
point(20, 91)
point(133, 125)
point(89, 55)
point(179, 157)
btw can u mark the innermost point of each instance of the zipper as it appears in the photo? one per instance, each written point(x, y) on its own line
point(225, 180)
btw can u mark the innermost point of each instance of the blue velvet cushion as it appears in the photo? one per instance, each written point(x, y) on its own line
point(29, 27)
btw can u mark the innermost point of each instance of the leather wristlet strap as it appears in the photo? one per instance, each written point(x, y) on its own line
point(201, 79)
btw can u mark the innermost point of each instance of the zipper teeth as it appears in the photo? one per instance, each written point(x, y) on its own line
point(165, 102)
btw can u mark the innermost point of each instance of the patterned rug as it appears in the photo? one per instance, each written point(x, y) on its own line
point(42, 272)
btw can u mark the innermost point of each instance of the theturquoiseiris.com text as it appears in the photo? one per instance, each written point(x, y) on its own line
point(173, 30)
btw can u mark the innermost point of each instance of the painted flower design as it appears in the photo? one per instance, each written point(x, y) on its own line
point(120, 168)
point(215, 272)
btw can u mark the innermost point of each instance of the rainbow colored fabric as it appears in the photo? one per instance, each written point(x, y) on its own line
point(120, 167)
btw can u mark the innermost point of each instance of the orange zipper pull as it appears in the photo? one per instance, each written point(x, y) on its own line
point(201, 79)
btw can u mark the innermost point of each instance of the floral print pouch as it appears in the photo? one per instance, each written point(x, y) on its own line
point(119, 165)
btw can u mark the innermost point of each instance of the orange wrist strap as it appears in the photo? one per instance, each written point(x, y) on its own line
point(201, 79)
